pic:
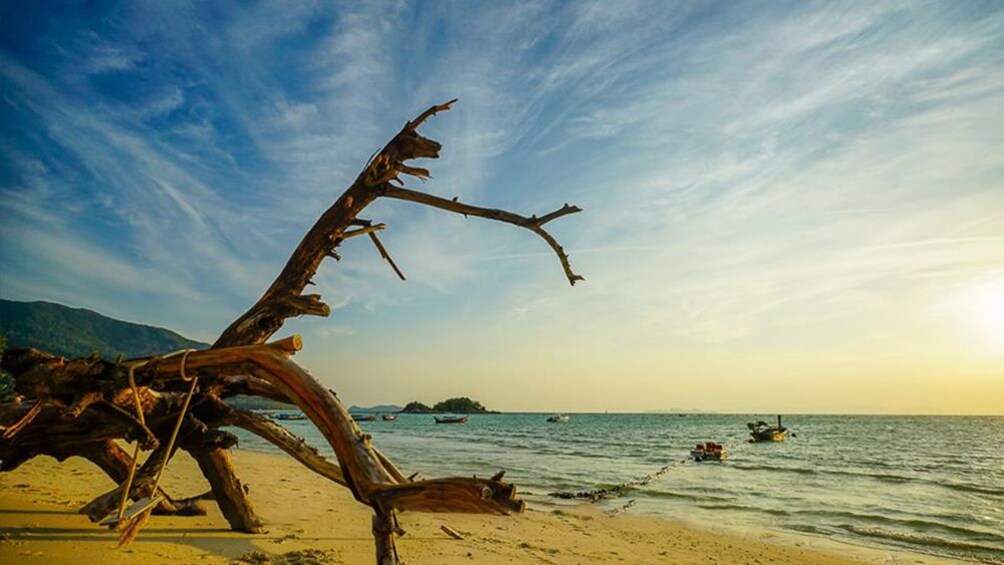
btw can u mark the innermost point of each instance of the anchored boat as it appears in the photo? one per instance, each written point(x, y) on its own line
point(451, 419)
point(762, 431)
point(389, 417)
point(558, 418)
point(709, 451)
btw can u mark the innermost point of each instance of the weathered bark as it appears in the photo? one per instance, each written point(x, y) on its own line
point(384, 528)
point(50, 433)
point(230, 493)
point(373, 479)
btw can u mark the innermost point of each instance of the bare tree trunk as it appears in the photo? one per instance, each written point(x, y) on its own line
point(230, 493)
point(384, 528)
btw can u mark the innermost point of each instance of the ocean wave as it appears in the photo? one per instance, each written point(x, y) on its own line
point(824, 471)
point(885, 477)
point(989, 551)
point(686, 496)
point(744, 508)
point(928, 525)
point(955, 548)
point(974, 489)
point(774, 468)
point(808, 529)
point(916, 524)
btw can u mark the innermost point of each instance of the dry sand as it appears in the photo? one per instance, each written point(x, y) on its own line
point(311, 520)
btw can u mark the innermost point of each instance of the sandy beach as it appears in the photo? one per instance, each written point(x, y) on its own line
point(310, 520)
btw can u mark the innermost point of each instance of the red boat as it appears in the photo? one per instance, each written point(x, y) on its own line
point(709, 451)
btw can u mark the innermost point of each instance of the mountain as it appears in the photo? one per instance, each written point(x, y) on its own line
point(459, 405)
point(76, 332)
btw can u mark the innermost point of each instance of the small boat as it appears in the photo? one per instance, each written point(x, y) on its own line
point(364, 418)
point(762, 431)
point(281, 416)
point(558, 418)
point(389, 417)
point(709, 451)
point(451, 419)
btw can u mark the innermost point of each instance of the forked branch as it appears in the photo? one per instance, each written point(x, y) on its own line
point(533, 223)
point(282, 299)
point(280, 437)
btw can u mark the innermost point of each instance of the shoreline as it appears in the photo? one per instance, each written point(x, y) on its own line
point(310, 520)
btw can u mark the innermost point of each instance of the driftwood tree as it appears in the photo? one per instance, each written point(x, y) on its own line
point(81, 407)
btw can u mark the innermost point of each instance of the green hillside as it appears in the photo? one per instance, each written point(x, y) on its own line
point(76, 332)
point(459, 405)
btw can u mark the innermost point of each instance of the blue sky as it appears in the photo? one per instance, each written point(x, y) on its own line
point(788, 205)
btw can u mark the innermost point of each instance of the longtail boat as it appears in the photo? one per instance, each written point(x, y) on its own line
point(762, 431)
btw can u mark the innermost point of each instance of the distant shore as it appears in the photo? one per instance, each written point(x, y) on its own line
point(307, 516)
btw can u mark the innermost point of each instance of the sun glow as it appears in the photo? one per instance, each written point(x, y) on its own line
point(984, 305)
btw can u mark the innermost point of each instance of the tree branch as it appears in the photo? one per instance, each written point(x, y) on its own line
point(266, 316)
point(363, 231)
point(370, 480)
point(458, 495)
point(532, 223)
point(10, 431)
point(282, 438)
point(429, 113)
point(386, 256)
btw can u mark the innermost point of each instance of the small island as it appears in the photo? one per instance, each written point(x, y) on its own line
point(459, 405)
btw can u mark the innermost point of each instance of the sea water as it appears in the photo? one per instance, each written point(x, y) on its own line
point(925, 484)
